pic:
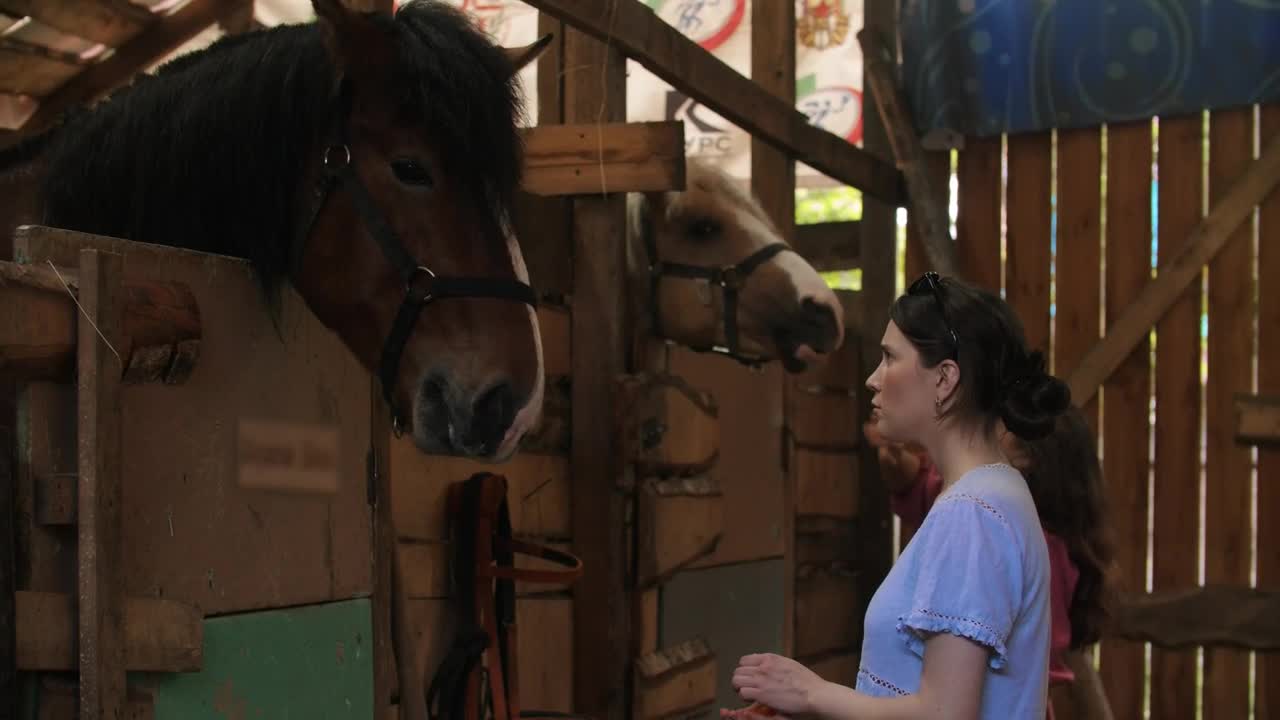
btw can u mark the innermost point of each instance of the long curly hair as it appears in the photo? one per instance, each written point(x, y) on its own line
point(1065, 478)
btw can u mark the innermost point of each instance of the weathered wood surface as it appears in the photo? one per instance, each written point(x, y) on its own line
point(1214, 615)
point(680, 521)
point(676, 680)
point(160, 325)
point(159, 635)
point(100, 542)
point(1206, 239)
point(600, 158)
point(197, 534)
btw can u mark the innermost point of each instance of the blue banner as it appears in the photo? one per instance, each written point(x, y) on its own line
point(984, 67)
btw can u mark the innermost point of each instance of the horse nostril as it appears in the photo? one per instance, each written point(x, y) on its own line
point(433, 410)
point(491, 416)
point(820, 326)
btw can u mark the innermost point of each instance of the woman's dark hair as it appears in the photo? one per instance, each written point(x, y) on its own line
point(1065, 479)
point(999, 377)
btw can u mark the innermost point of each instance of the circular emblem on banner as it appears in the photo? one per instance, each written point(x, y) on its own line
point(707, 22)
point(836, 109)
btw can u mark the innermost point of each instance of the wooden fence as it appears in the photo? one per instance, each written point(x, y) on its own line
point(1071, 226)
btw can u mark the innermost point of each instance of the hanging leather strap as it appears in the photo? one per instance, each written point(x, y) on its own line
point(478, 678)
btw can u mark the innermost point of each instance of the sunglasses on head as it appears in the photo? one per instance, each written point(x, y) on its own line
point(931, 282)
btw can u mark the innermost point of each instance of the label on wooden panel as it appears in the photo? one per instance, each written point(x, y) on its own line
point(295, 457)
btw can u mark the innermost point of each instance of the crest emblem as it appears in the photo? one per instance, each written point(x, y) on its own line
point(821, 24)
point(707, 22)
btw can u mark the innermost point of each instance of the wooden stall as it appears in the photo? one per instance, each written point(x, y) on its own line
point(718, 509)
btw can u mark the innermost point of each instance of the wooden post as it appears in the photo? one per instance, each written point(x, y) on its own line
point(928, 208)
point(773, 180)
point(874, 532)
point(100, 550)
point(595, 91)
point(8, 589)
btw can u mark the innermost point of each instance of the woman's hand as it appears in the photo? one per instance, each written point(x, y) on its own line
point(777, 682)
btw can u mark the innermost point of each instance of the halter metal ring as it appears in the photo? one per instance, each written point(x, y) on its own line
point(415, 288)
point(343, 161)
point(730, 277)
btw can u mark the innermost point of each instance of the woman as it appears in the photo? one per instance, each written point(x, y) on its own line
point(960, 626)
point(1065, 479)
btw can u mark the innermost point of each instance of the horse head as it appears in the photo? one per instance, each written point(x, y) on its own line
point(716, 274)
point(409, 254)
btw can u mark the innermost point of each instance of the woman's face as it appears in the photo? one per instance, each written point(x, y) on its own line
point(903, 391)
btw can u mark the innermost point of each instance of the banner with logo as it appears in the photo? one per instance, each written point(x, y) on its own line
point(828, 70)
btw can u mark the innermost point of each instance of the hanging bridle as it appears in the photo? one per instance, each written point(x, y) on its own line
point(422, 285)
point(730, 278)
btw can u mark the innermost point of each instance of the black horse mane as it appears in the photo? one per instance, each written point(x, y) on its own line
point(209, 153)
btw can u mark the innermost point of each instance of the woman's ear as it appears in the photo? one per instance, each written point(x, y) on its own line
point(948, 381)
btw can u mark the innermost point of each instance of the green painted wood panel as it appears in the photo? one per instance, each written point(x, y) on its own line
point(306, 662)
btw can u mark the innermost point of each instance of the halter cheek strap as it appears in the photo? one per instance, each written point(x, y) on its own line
point(730, 278)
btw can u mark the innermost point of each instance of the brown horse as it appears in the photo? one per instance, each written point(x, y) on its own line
point(710, 270)
point(368, 160)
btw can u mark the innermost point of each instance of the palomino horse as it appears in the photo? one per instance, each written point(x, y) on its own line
point(711, 271)
point(368, 160)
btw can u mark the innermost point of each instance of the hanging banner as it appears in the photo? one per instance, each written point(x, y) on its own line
point(985, 67)
point(828, 71)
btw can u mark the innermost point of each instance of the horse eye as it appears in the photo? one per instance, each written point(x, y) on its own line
point(410, 172)
point(703, 228)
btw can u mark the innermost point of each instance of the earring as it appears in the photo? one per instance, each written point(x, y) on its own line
point(937, 407)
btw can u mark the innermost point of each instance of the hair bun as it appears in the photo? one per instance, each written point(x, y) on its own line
point(1033, 399)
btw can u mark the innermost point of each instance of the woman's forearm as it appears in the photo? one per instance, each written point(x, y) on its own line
point(833, 701)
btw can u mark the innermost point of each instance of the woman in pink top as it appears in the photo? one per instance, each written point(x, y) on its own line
point(1065, 479)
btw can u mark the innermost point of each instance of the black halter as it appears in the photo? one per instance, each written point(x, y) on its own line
point(422, 285)
point(730, 278)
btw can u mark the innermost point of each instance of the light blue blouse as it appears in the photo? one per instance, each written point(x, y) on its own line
point(979, 568)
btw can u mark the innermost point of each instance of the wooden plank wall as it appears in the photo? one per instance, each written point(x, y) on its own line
point(1070, 274)
point(1268, 481)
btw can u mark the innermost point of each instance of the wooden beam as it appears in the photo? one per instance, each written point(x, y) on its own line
point(601, 158)
point(830, 246)
point(8, 589)
point(637, 31)
point(773, 180)
point(160, 324)
point(159, 635)
point(94, 21)
point(873, 533)
point(602, 642)
point(100, 541)
point(927, 207)
point(163, 36)
point(1213, 615)
point(1172, 278)
point(30, 70)
point(1257, 419)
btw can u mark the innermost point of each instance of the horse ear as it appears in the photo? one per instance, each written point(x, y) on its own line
point(522, 56)
point(349, 36)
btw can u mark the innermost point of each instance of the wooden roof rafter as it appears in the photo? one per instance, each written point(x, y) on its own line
point(155, 39)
